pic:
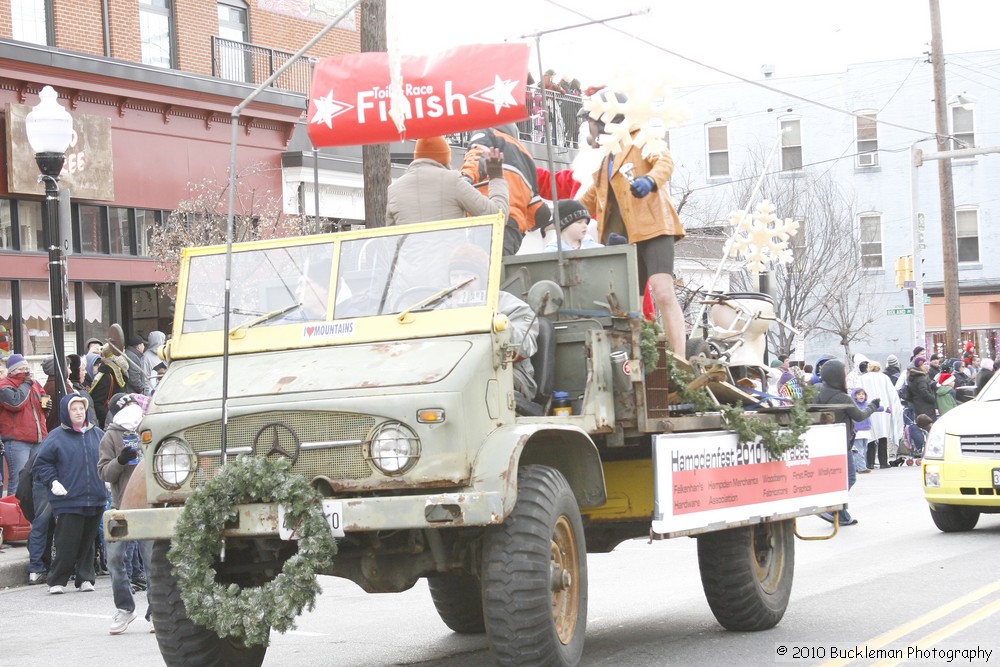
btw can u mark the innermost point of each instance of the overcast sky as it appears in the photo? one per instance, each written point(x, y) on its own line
point(796, 37)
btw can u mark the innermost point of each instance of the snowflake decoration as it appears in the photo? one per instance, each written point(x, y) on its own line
point(761, 238)
point(651, 109)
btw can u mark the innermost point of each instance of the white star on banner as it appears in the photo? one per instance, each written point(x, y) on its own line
point(499, 94)
point(327, 109)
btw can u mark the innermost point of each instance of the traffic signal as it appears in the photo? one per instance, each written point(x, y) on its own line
point(904, 270)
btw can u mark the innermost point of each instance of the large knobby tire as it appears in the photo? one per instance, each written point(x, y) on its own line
point(954, 519)
point(182, 641)
point(747, 574)
point(535, 575)
point(458, 599)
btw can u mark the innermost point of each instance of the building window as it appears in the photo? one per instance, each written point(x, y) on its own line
point(146, 221)
point(120, 234)
point(31, 21)
point(871, 241)
point(791, 144)
point(867, 129)
point(234, 57)
point(30, 228)
point(963, 128)
point(718, 151)
point(967, 224)
point(155, 30)
point(6, 226)
point(93, 230)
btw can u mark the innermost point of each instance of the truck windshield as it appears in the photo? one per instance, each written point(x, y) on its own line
point(377, 274)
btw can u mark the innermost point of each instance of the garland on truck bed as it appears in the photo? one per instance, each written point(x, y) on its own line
point(776, 438)
point(250, 613)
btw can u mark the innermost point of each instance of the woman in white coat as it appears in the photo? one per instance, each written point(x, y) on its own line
point(887, 424)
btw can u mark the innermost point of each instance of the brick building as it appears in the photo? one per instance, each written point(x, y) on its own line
point(151, 86)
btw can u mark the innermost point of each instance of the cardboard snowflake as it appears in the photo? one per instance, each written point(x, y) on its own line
point(761, 238)
point(650, 108)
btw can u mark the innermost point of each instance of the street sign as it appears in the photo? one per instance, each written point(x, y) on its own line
point(909, 284)
point(899, 311)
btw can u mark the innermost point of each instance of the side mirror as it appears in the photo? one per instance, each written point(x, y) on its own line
point(965, 394)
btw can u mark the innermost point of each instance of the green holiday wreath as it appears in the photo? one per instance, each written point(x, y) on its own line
point(249, 613)
point(776, 438)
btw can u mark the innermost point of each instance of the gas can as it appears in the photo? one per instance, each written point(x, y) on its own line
point(561, 406)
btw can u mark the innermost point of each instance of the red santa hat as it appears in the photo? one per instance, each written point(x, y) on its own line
point(946, 378)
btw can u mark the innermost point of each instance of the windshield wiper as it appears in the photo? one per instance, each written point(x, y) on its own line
point(436, 297)
point(266, 317)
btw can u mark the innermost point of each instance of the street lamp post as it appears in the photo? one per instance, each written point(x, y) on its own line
point(50, 128)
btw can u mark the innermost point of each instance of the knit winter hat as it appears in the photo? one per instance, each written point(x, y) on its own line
point(571, 211)
point(917, 350)
point(15, 362)
point(433, 148)
point(891, 360)
point(469, 258)
point(919, 361)
point(119, 401)
point(946, 378)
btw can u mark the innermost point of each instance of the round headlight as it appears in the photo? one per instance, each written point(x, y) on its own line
point(173, 463)
point(393, 448)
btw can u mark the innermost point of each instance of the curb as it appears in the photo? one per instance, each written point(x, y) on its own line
point(14, 566)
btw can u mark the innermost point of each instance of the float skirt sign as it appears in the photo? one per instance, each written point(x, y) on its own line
point(467, 88)
point(706, 479)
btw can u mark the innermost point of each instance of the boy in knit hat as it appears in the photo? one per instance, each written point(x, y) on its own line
point(573, 221)
point(116, 463)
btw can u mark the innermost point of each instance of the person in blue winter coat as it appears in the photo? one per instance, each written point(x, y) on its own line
point(67, 466)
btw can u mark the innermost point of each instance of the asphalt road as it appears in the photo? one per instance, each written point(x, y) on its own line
point(890, 582)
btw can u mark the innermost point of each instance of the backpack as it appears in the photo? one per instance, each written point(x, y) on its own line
point(25, 481)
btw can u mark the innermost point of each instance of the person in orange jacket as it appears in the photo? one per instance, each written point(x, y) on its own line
point(527, 209)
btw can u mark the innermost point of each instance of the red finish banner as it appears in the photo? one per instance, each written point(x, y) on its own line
point(466, 88)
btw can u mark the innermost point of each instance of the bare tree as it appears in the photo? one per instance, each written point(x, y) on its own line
point(825, 288)
point(376, 167)
point(200, 218)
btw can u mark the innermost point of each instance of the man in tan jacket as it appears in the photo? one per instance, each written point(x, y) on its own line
point(630, 196)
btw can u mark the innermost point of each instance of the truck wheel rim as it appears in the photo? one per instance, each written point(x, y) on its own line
point(564, 580)
point(768, 561)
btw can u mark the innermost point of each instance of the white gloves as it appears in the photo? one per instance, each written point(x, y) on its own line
point(58, 489)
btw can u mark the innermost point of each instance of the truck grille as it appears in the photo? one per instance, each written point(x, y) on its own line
point(987, 446)
point(328, 443)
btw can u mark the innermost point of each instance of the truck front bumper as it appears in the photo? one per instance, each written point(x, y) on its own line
point(443, 510)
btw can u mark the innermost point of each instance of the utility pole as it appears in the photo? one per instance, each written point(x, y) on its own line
point(949, 234)
point(376, 166)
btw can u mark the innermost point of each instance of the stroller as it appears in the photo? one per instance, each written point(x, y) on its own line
point(911, 447)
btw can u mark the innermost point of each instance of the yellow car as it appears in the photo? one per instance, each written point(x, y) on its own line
point(961, 464)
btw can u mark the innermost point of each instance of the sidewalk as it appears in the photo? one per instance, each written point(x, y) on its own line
point(13, 565)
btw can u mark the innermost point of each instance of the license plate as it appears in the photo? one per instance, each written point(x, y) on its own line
point(333, 510)
point(996, 478)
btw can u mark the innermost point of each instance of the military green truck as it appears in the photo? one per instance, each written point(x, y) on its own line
point(390, 389)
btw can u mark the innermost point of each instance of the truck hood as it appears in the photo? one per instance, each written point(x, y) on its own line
point(362, 366)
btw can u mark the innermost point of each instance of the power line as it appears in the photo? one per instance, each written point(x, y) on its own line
point(730, 74)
